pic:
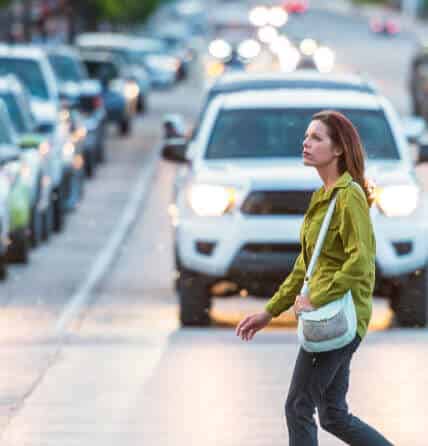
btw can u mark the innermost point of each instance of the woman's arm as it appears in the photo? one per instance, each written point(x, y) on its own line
point(284, 298)
point(357, 237)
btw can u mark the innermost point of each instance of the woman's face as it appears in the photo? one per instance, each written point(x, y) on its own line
point(318, 148)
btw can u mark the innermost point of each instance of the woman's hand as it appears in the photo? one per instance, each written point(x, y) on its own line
point(249, 326)
point(302, 303)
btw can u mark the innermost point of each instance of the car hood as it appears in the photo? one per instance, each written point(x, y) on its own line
point(70, 89)
point(276, 175)
point(44, 111)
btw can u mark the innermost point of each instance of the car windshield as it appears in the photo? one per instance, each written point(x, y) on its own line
point(5, 135)
point(266, 133)
point(28, 72)
point(104, 71)
point(18, 117)
point(66, 68)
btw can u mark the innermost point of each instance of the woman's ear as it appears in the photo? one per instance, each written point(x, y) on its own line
point(338, 151)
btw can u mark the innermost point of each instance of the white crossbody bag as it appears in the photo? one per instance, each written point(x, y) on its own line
point(331, 326)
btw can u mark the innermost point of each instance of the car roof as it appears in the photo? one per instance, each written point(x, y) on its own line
point(96, 56)
point(301, 79)
point(22, 51)
point(63, 50)
point(115, 40)
point(300, 98)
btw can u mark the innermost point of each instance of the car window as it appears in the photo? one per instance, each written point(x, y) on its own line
point(29, 72)
point(19, 120)
point(105, 71)
point(66, 68)
point(266, 133)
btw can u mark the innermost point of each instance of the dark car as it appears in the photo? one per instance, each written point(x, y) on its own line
point(119, 103)
point(84, 95)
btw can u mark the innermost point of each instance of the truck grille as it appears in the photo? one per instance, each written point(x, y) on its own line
point(277, 202)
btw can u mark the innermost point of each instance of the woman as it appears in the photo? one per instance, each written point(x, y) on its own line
point(347, 261)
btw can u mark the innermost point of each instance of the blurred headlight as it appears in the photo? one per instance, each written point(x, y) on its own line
point(131, 90)
point(397, 201)
point(214, 68)
point(248, 49)
point(259, 16)
point(279, 44)
point(277, 16)
point(44, 148)
point(68, 151)
point(79, 134)
point(324, 59)
point(288, 59)
point(220, 49)
point(267, 34)
point(308, 46)
point(208, 200)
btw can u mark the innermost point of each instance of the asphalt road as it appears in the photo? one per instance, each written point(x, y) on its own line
point(109, 364)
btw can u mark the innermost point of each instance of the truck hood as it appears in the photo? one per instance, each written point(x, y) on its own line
point(276, 175)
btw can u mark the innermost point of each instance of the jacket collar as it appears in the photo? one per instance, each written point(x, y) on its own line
point(342, 182)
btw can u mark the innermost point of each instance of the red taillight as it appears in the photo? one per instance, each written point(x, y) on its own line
point(97, 102)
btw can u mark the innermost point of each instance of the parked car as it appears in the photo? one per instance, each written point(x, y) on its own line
point(119, 95)
point(18, 195)
point(84, 97)
point(243, 190)
point(31, 66)
point(33, 153)
point(121, 47)
point(4, 211)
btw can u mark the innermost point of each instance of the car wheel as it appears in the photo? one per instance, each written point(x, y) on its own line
point(194, 299)
point(19, 249)
point(36, 226)
point(125, 127)
point(58, 211)
point(48, 221)
point(409, 300)
point(3, 267)
point(90, 164)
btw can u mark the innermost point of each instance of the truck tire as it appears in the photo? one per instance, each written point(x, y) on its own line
point(194, 299)
point(410, 300)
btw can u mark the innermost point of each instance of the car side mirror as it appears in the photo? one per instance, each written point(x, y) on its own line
point(414, 127)
point(174, 126)
point(175, 149)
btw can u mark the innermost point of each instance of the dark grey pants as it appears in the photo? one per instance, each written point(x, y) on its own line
point(321, 381)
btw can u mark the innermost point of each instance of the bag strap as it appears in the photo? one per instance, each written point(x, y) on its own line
point(320, 240)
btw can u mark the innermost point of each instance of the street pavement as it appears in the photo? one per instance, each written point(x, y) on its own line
point(122, 371)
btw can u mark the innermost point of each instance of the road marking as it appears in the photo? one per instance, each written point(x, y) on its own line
point(84, 293)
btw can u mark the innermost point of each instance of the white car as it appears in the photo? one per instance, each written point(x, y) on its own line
point(241, 196)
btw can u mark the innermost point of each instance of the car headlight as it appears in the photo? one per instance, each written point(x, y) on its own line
point(131, 90)
point(220, 49)
point(249, 49)
point(68, 151)
point(397, 201)
point(324, 59)
point(208, 200)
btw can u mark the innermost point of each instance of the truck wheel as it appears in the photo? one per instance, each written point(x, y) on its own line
point(409, 300)
point(195, 299)
point(19, 249)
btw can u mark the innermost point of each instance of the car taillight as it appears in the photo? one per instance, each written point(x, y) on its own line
point(97, 102)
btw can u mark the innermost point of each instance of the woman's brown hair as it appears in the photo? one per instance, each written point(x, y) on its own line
point(344, 135)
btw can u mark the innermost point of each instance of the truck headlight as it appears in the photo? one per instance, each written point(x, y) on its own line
point(208, 200)
point(397, 201)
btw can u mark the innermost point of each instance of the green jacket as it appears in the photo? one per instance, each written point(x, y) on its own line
point(347, 259)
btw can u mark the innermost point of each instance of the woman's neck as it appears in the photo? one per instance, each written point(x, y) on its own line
point(329, 175)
